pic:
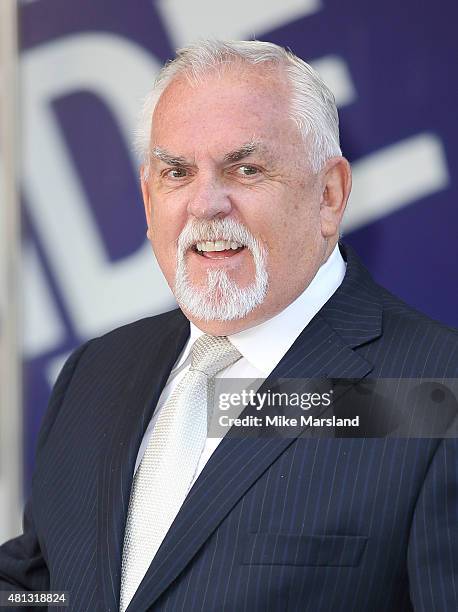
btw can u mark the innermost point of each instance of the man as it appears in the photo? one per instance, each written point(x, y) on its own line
point(133, 507)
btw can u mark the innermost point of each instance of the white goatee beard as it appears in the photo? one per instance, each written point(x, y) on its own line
point(221, 299)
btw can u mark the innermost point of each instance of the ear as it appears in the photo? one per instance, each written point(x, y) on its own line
point(336, 187)
point(146, 200)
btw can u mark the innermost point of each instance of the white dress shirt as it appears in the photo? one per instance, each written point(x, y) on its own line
point(262, 347)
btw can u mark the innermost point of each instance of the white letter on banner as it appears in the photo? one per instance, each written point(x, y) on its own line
point(42, 328)
point(99, 294)
point(394, 177)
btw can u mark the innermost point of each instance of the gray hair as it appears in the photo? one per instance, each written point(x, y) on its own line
point(312, 104)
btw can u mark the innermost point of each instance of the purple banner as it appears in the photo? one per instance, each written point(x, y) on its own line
point(85, 66)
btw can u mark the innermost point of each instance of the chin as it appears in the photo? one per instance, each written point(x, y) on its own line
point(221, 299)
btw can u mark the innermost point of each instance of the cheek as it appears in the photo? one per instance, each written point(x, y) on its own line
point(166, 226)
point(163, 242)
point(293, 240)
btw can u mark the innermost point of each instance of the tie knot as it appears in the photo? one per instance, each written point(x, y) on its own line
point(211, 354)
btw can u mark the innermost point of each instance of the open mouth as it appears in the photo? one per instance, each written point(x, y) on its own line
point(217, 249)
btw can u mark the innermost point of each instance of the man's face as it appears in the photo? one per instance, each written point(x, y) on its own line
point(226, 156)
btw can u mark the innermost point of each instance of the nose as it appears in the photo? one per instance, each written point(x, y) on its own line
point(209, 198)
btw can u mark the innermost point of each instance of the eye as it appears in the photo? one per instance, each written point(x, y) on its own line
point(175, 173)
point(247, 170)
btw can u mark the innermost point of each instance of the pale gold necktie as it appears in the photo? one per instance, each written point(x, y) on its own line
point(169, 464)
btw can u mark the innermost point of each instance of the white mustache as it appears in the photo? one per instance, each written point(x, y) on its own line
point(216, 229)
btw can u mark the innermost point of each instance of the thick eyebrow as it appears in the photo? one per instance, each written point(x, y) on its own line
point(168, 158)
point(246, 149)
point(175, 160)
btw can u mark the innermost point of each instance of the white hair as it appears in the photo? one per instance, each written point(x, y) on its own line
point(312, 104)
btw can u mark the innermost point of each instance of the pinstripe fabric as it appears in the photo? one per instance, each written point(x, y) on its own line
point(307, 524)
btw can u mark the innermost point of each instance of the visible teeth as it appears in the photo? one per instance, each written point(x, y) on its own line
point(218, 245)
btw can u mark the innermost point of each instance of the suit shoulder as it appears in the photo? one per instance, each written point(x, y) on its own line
point(416, 344)
point(109, 359)
point(150, 330)
point(398, 312)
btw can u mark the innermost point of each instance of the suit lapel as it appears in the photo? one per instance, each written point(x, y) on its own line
point(128, 420)
point(323, 350)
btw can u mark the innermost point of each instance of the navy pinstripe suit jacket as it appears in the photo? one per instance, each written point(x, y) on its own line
point(284, 524)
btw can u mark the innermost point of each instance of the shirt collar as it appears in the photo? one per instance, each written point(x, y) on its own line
point(264, 345)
